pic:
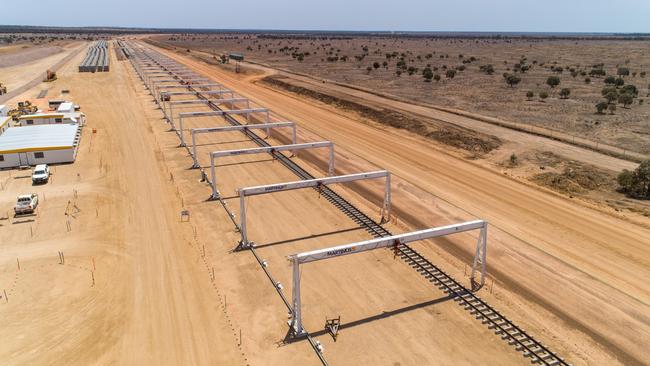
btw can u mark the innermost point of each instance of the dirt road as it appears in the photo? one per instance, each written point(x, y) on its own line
point(569, 262)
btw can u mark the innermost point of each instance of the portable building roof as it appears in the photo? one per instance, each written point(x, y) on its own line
point(71, 115)
point(65, 107)
point(38, 138)
point(3, 110)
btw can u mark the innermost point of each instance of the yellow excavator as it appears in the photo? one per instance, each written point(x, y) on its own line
point(3, 89)
point(23, 108)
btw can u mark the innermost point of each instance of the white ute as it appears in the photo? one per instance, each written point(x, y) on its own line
point(26, 204)
point(41, 174)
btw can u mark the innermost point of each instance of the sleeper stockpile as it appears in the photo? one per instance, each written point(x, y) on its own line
point(96, 59)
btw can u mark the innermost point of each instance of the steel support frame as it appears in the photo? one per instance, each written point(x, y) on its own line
point(232, 102)
point(265, 126)
point(267, 149)
point(480, 257)
point(317, 182)
point(171, 103)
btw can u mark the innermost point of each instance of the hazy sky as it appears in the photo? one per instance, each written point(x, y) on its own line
point(412, 15)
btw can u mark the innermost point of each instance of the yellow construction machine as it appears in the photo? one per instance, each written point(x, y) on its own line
point(24, 108)
point(50, 75)
point(3, 89)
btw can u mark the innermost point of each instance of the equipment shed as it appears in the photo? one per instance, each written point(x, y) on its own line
point(42, 144)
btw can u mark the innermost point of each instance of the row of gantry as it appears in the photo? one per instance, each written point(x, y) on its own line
point(167, 79)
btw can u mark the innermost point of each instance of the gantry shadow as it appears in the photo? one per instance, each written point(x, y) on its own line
point(385, 314)
point(238, 163)
point(287, 241)
point(223, 143)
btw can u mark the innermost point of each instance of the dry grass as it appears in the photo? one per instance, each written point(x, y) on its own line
point(471, 89)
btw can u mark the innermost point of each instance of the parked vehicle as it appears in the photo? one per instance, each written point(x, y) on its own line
point(26, 204)
point(41, 174)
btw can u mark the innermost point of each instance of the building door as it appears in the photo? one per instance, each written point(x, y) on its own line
point(22, 159)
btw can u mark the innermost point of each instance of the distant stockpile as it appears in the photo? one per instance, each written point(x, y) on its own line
point(121, 51)
point(96, 59)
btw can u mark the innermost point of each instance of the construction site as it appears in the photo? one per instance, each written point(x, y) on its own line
point(185, 231)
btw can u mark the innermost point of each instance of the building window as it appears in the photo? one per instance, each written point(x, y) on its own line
point(58, 120)
point(2, 158)
point(30, 122)
point(39, 155)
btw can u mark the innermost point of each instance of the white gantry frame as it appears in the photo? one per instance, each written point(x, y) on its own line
point(391, 241)
point(232, 101)
point(318, 182)
point(271, 150)
point(265, 126)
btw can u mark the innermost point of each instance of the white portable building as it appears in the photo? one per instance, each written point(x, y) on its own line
point(42, 144)
point(52, 118)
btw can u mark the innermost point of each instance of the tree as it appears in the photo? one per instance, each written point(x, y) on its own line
point(601, 107)
point(512, 79)
point(610, 93)
point(514, 159)
point(376, 65)
point(610, 80)
point(630, 89)
point(553, 81)
point(612, 108)
point(543, 95)
point(625, 99)
point(368, 69)
point(623, 71)
point(529, 95)
point(450, 74)
point(619, 82)
point(427, 73)
point(436, 77)
point(488, 69)
point(636, 183)
point(564, 93)
point(398, 72)
point(587, 80)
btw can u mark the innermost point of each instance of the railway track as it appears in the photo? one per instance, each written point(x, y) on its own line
point(500, 324)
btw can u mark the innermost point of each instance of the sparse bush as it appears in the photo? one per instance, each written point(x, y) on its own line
point(601, 107)
point(368, 69)
point(564, 93)
point(553, 81)
point(543, 95)
point(436, 77)
point(512, 79)
point(619, 82)
point(636, 183)
point(376, 65)
point(450, 74)
point(514, 159)
point(427, 74)
point(587, 80)
point(610, 80)
point(642, 74)
point(529, 95)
